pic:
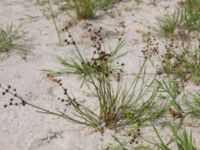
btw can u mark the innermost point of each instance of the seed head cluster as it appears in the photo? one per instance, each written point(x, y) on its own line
point(100, 63)
point(134, 136)
point(67, 100)
point(11, 94)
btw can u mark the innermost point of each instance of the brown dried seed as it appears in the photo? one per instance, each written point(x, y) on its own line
point(23, 103)
point(174, 113)
point(89, 30)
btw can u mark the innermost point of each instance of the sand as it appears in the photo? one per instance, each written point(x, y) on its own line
point(22, 128)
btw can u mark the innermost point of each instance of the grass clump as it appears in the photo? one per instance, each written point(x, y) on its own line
point(180, 138)
point(186, 20)
point(85, 9)
point(193, 107)
point(11, 40)
point(168, 24)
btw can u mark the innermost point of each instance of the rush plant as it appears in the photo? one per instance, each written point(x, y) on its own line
point(102, 62)
point(118, 105)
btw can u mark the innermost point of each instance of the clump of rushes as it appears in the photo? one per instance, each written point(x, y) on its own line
point(181, 139)
point(101, 62)
point(185, 20)
point(11, 40)
point(193, 107)
point(119, 106)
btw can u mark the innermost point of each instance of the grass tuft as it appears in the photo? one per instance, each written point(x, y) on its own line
point(193, 107)
point(180, 138)
point(85, 9)
point(186, 19)
point(11, 40)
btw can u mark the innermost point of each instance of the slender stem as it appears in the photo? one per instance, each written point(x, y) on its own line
point(55, 24)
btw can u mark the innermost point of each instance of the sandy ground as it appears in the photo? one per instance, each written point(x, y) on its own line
point(23, 128)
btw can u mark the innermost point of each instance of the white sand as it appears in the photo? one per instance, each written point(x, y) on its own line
point(22, 128)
